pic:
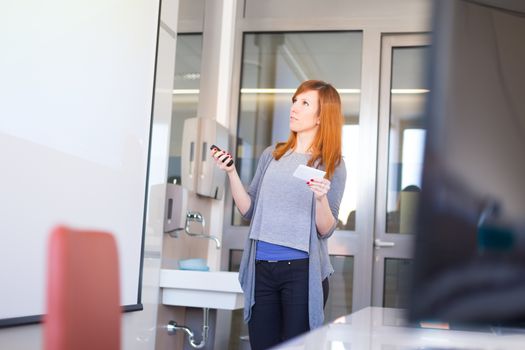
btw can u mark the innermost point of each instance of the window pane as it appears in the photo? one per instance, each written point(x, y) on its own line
point(406, 137)
point(273, 66)
point(339, 301)
point(185, 95)
point(397, 277)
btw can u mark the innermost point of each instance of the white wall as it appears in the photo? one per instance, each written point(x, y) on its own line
point(75, 18)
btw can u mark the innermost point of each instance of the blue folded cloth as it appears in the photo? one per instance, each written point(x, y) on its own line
point(193, 264)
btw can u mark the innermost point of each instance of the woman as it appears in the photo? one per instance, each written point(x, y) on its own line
point(285, 263)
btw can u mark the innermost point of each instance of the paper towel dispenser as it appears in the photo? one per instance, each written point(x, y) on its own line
point(199, 173)
point(175, 208)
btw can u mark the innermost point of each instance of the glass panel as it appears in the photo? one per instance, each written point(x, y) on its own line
point(406, 137)
point(396, 283)
point(339, 301)
point(273, 66)
point(185, 95)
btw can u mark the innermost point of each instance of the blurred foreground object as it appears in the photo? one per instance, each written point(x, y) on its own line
point(83, 296)
point(470, 250)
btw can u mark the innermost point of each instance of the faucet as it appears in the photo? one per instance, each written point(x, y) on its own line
point(194, 216)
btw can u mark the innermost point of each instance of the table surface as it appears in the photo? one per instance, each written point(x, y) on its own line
point(376, 328)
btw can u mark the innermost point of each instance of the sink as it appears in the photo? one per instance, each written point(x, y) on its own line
point(210, 289)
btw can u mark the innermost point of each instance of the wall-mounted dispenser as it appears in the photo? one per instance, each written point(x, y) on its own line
point(176, 201)
point(199, 173)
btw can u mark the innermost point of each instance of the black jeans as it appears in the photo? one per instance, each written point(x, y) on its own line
point(281, 302)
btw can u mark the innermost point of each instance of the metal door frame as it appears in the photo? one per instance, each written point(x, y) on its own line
point(395, 245)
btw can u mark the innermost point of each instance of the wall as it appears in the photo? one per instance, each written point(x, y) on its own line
point(139, 328)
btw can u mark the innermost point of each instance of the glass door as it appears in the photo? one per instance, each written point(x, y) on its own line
point(403, 93)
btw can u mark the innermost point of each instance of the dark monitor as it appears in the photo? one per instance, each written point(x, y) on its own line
point(470, 248)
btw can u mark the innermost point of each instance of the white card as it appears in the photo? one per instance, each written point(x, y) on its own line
point(306, 173)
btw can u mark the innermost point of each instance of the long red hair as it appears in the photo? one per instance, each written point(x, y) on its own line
point(326, 146)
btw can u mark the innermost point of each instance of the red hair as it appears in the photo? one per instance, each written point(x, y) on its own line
point(326, 146)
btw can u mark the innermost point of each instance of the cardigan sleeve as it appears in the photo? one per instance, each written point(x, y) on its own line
point(253, 189)
point(335, 194)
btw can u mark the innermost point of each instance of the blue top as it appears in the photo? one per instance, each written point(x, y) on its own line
point(269, 251)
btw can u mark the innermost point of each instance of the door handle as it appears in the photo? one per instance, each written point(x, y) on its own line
point(382, 244)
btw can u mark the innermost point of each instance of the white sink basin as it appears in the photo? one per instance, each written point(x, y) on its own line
point(211, 289)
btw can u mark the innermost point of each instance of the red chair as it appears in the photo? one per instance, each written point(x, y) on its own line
point(83, 296)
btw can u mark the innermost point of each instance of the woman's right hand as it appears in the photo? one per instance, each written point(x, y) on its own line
point(222, 159)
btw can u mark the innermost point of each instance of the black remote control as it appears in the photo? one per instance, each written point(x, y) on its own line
point(217, 149)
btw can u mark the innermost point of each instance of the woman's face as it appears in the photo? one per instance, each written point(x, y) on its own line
point(304, 113)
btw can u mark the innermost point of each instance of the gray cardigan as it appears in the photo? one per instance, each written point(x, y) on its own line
point(319, 263)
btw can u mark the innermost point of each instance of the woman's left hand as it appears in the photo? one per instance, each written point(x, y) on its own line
point(319, 187)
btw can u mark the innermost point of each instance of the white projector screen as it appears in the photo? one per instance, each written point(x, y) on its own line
point(76, 91)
